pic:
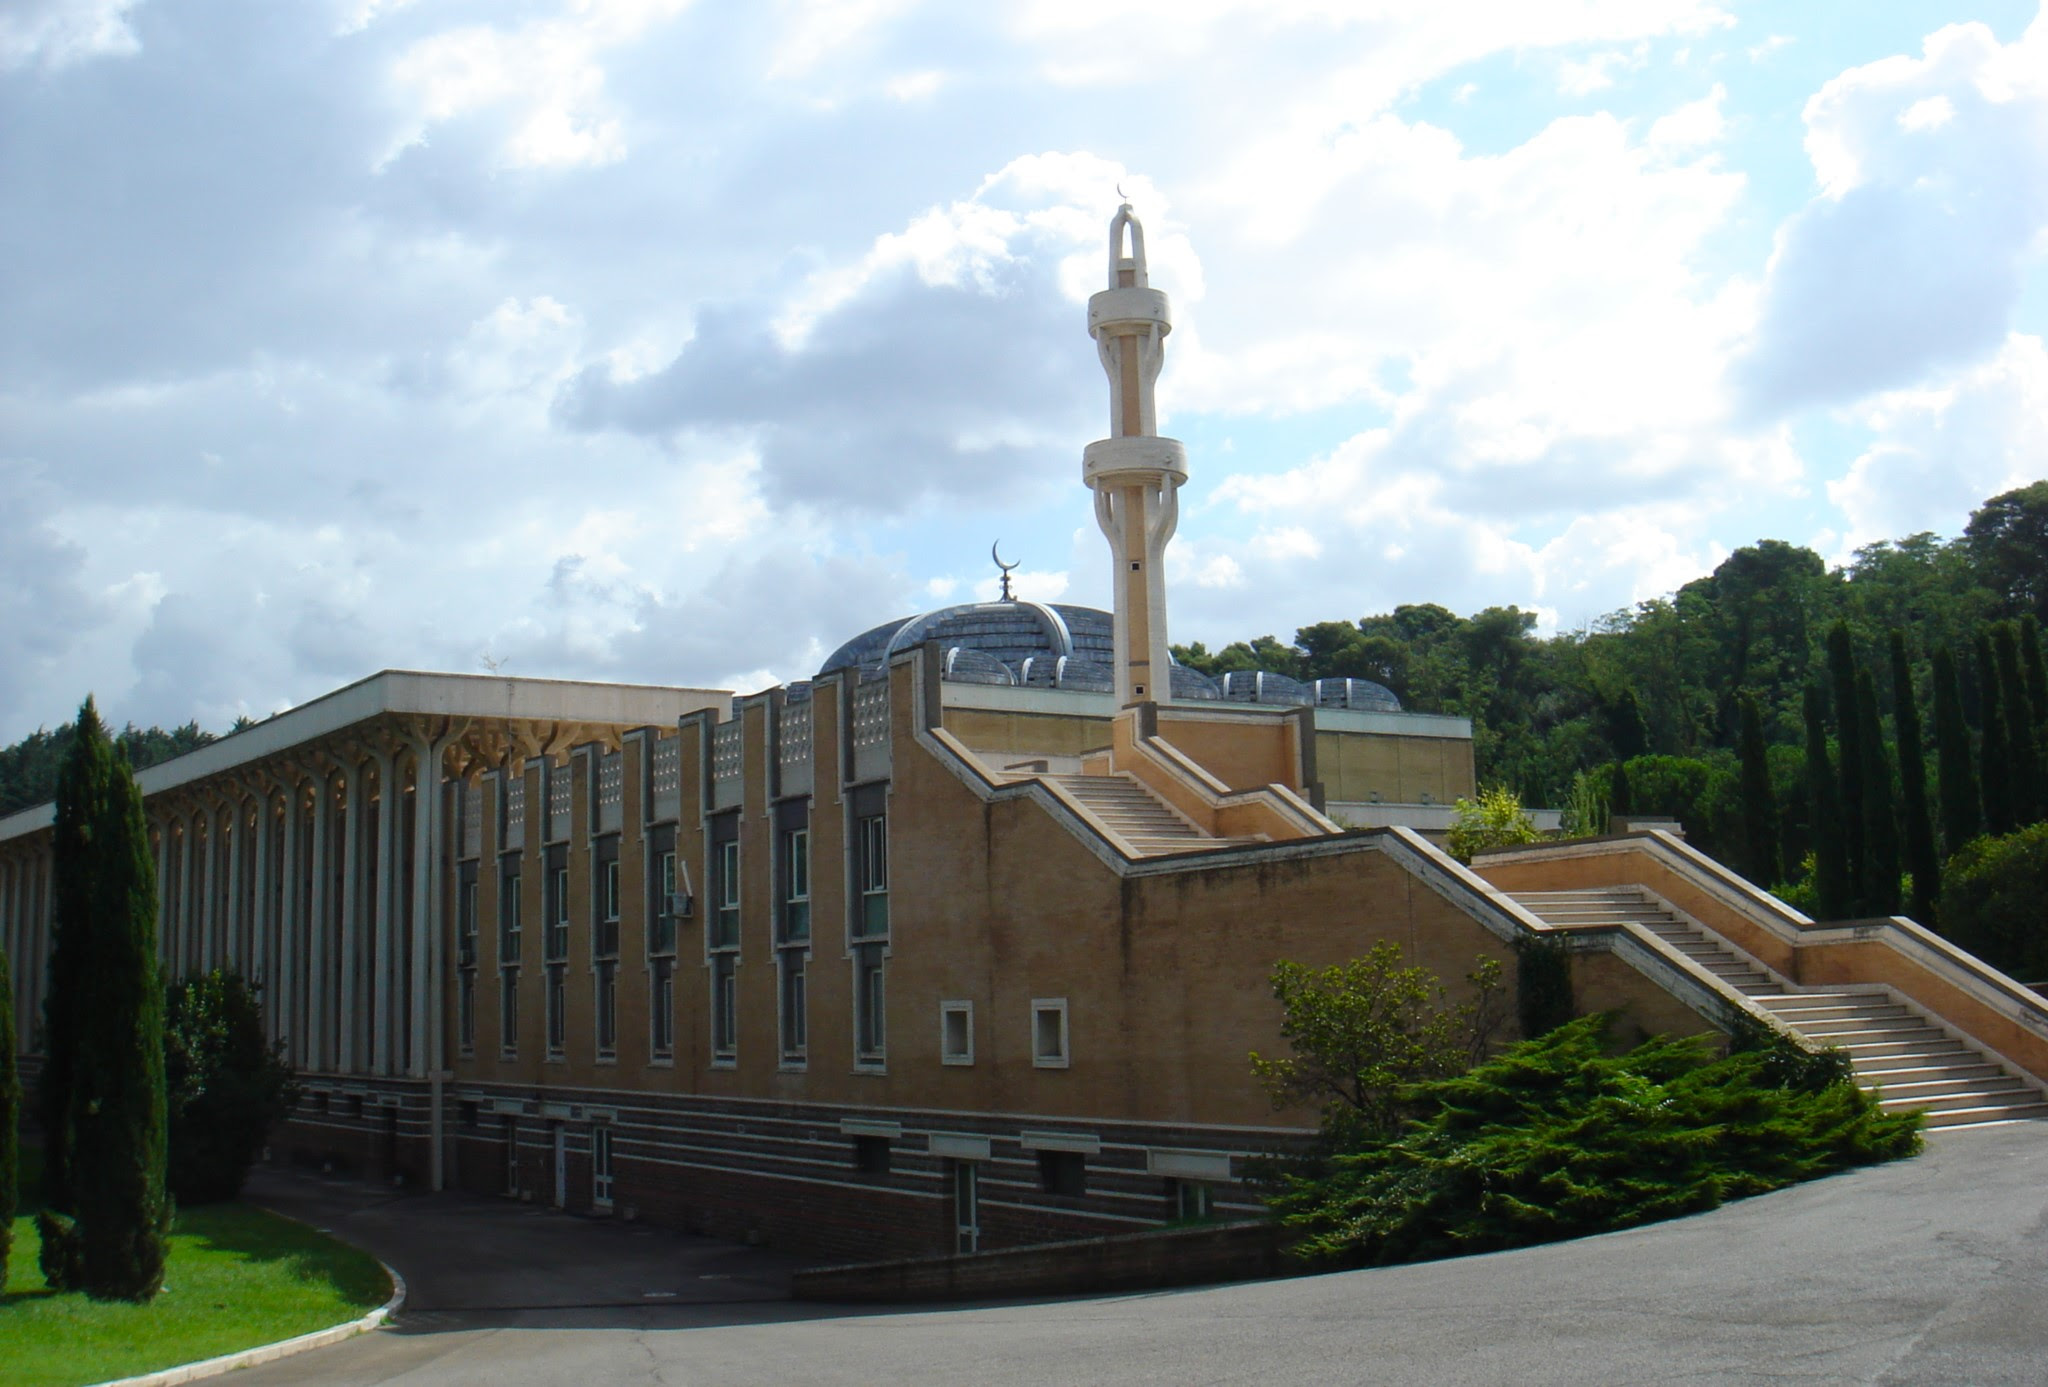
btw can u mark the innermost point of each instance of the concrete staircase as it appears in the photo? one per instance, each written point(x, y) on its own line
point(1142, 821)
point(1907, 1057)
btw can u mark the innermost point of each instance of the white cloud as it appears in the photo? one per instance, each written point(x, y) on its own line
point(58, 33)
point(1941, 449)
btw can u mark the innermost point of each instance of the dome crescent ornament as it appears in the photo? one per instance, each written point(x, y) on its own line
point(994, 553)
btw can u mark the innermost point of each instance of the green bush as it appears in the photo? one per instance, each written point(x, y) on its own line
point(61, 1258)
point(1495, 820)
point(1991, 901)
point(227, 1086)
point(1557, 1138)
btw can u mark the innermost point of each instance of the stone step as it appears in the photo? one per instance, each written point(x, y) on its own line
point(1977, 1117)
point(1860, 1051)
point(1957, 1093)
point(1898, 1027)
point(1820, 1013)
point(1892, 1073)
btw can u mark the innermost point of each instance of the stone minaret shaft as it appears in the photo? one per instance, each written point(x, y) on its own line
point(1135, 475)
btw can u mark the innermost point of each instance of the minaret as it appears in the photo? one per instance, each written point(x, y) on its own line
point(1135, 475)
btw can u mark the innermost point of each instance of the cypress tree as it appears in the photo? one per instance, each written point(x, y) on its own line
point(1880, 885)
point(10, 1119)
point(1830, 866)
point(1759, 809)
point(81, 795)
point(1999, 814)
point(1850, 764)
point(1962, 807)
point(2037, 685)
point(1618, 801)
point(1921, 859)
point(118, 1113)
point(2019, 726)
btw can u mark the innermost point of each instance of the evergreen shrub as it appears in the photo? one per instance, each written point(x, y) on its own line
point(1558, 1138)
point(62, 1258)
point(227, 1086)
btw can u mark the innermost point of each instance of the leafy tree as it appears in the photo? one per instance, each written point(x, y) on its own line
point(227, 1088)
point(1922, 861)
point(1363, 1031)
point(1991, 901)
point(10, 1119)
point(1495, 820)
point(1759, 805)
point(1962, 807)
point(1830, 857)
point(1557, 1138)
point(2007, 538)
point(117, 1080)
point(29, 768)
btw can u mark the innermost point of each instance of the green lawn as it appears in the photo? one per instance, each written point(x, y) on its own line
point(237, 1277)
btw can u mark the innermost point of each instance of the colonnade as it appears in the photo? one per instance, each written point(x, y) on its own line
point(320, 874)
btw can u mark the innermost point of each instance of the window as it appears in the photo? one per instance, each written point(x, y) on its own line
point(601, 1165)
point(557, 940)
point(662, 938)
point(724, 1007)
point(558, 1020)
point(605, 950)
point(607, 936)
point(871, 1155)
point(607, 1008)
point(956, 1032)
point(465, 1010)
point(1063, 1172)
point(661, 1010)
point(465, 924)
point(1049, 1033)
point(726, 933)
point(466, 1112)
point(870, 997)
point(1191, 1201)
point(792, 938)
point(508, 1012)
point(871, 876)
point(508, 918)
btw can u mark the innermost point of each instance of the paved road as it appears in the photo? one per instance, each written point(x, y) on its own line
point(1933, 1270)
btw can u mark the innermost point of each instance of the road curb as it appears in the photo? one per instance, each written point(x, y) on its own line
point(270, 1353)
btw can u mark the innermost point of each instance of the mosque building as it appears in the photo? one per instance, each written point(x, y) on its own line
point(962, 943)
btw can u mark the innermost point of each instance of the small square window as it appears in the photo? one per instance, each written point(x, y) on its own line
point(1192, 1201)
point(1063, 1172)
point(871, 1155)
point(1049, 1032)
point(956, 1032)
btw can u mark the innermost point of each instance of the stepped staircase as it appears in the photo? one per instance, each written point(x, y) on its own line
point(1907, 1057)
point(1137, 817)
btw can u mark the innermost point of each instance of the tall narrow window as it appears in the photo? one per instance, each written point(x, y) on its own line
point(605, 952)
point(555, 951)
point(661, 951)
point(508, 963)
point(466, 961)
point(871, 938)
point(966, 1205)
point(722, 939)
point(792, 941)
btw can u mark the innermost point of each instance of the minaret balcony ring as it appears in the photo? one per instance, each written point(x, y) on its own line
point(1139, 461)
point(1117, 311)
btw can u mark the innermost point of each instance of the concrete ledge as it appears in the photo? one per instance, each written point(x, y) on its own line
point(1124, 1262)
point(270, 1353)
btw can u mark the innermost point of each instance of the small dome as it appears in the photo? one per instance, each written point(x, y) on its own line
point(1362, 694)
point(1264, 686)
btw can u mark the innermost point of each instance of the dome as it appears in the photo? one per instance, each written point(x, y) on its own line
point(1264, 686)
point(1362, 694)
point(1035, 644)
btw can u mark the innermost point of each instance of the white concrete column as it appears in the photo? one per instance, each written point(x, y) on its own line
point(263, 908)
point(187, 943)
point(354, 937)
point(322, 986)
point(10, 936)
point(45, 924)
point(429, 831)
point(165, 905)
point(383, 957)
point(234, 940)
point(290, 986)
point(212, 904)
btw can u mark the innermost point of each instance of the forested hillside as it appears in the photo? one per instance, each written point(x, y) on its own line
point(28, 769)
point(1661, 688)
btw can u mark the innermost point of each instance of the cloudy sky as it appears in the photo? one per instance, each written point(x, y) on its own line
point(670, 341)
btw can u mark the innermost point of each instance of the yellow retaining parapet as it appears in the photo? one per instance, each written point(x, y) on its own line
point(1996, 1011)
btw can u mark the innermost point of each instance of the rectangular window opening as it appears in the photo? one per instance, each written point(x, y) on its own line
point(871, 1155)
point(1063, 1172)
point(1049, 1033)
point(956, 1032)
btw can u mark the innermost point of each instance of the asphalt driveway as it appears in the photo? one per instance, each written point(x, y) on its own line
point(1933, 1270)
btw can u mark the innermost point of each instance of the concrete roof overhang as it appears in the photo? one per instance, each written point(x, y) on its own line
point(534, 715)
